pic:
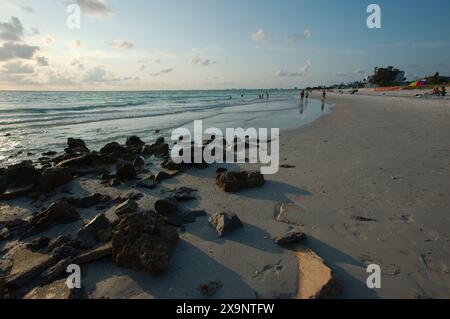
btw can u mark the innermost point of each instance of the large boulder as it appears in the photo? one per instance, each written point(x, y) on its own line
point(57, 290)
point(129, 206)
point(76, 146)
point(134, 141)
point(232, 182)
point(143, 243)
point(225, 223)
point(18, 176)
point(125, 171)
point(20, 266)
point(56, 214)
point(54, 177)
point(159, 148)
point(97, 230)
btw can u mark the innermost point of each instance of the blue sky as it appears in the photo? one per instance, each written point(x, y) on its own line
point(208, 44)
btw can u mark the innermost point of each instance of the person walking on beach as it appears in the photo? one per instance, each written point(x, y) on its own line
point(444, 92)
point(324, 94)
point(307, 95)
point(302, 96)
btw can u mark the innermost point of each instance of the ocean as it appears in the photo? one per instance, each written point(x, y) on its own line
point(35, 122)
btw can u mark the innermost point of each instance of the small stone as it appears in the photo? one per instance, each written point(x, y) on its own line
point(291, 237)
point(94, 255)
point(97, 230)
point(225, 223)
point(162, 176)
point(39, 243)
point(128, 207)
point(148, 183)
point(125, 171)
point(55, 177)
point(210, 289)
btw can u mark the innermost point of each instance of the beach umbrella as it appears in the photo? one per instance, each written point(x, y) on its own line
point(418, 83)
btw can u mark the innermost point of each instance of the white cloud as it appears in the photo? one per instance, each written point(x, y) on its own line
point(162, 72)
point(48, 40)
point(260, 36)
point(9, 51)
point(346, 74)
point(42, 61)
point(11, 31)
point(122, 44)
point(17, 68)
point(307, 33)
point(27, 9)
point(99, 74)
point(301, 72)
point(95, 8)
point(201, 61)
point(77, 63)
point(76, 44)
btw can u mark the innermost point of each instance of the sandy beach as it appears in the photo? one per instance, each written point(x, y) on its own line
point(367, 184)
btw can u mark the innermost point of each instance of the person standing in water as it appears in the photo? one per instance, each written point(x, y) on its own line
point(324, 94)
point(268, 96)
point(307, 95)
point(302, 96)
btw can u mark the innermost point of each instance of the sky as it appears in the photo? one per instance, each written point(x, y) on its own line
point(215, 44)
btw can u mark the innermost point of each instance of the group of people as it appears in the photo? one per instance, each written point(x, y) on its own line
point(438, 92)
point(261, 96)
point(304, 94)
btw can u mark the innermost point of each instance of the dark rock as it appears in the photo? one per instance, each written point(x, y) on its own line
point(221, 170)
point(183, 194)
point(12, 193)
point(134, 141)
point(97, 230)
point(291, 237)
point(210, 289)
point(94, 255)
point(128, 207)
point(233, 182)
point(68, 249)
point(190, 217)
point(125, 171)
point(148, 183)
point(57, 271)
point(159, 148)
point(58, 213)
point(39, 243)
point(83, 161)
point(139, 164)
point(76, 146)
point(165, 206)
point(225, 223)
point(115, 182)
point(143, 243)
point(49, 153)
point(171, 165)
point(52, 178)
point(19, 175)
point(21, 266)
point(88, 201)
point(161, 176)
point(58, 242)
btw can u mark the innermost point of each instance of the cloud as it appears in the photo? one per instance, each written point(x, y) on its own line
point(42, 61)
point(27, 9)
point(17, 68)
point(95, 8)
point(260, 36)
point(9, 51)
point(77, 63)
point(48, 40)
point(346, 74)
point(162, 72)
point(76, 44)
point(98, 74)
point(307, 33)
point(301, 72)
point(201, 61)
point(11, 31)
point(122, 44)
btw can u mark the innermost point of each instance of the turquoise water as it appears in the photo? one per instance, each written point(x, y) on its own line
point(40, 121)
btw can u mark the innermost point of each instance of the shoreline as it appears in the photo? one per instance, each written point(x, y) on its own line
point(366, 183)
